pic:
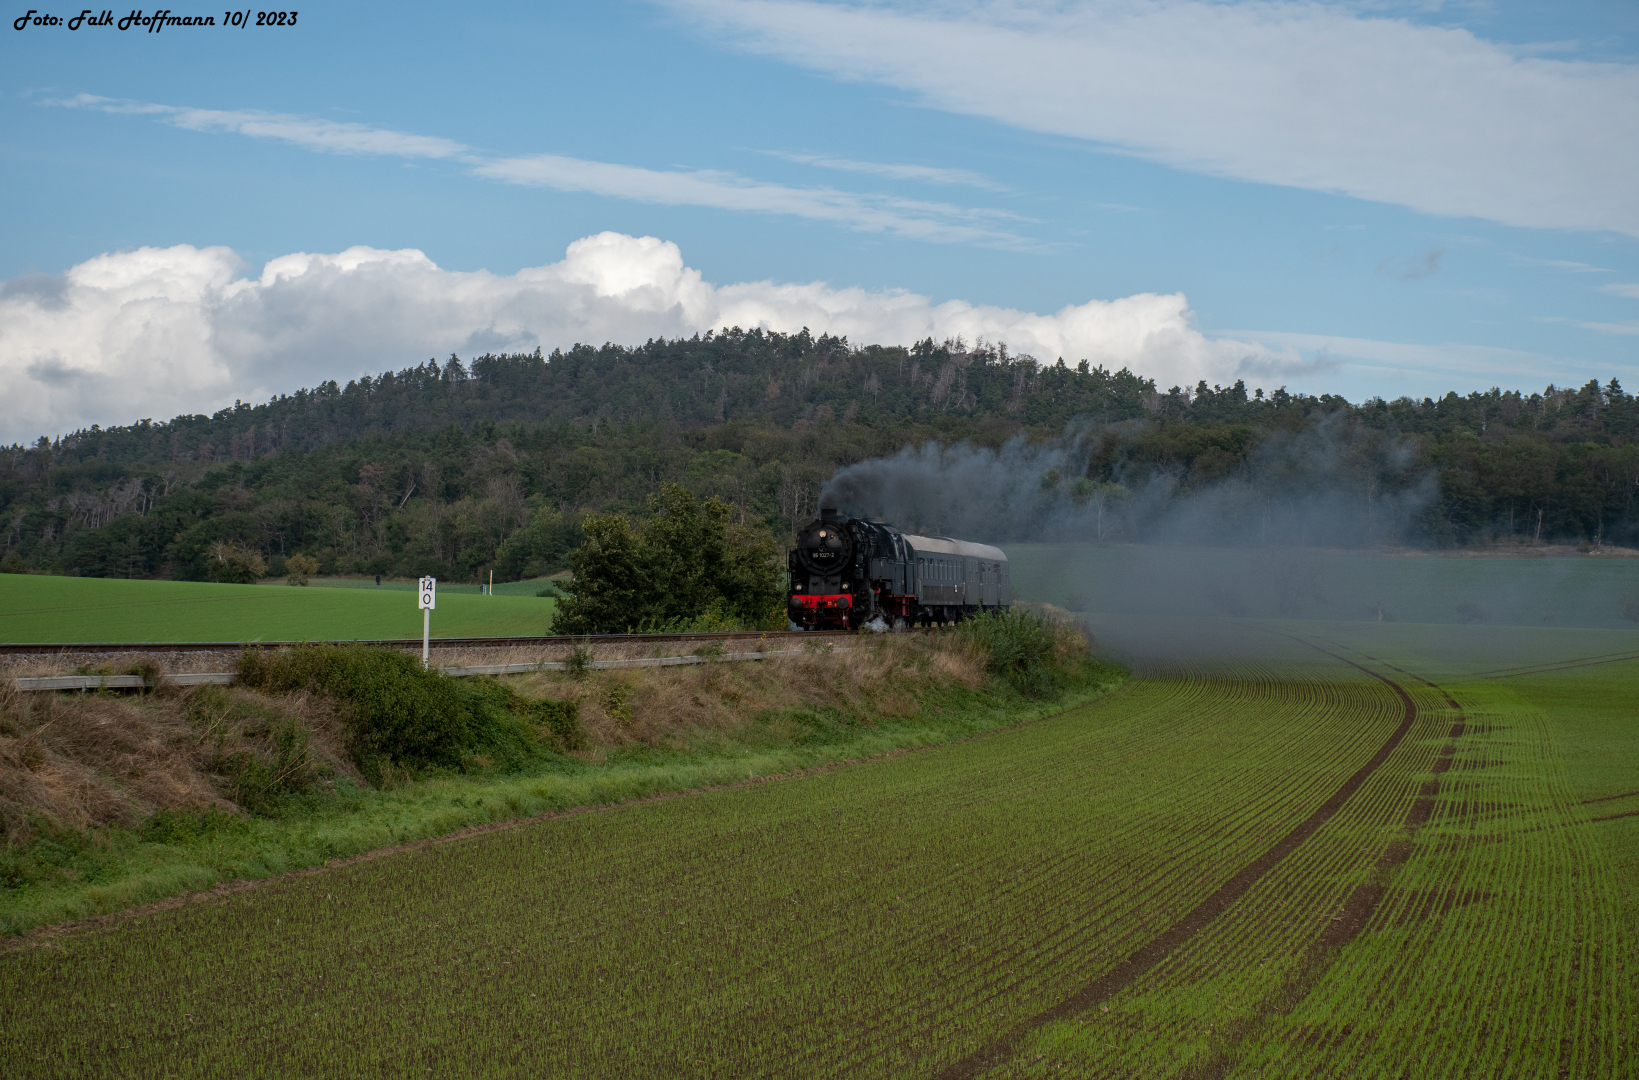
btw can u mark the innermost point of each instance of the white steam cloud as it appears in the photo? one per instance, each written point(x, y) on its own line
point(162, 331)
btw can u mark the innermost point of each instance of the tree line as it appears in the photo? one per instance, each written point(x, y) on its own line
point(458, 469)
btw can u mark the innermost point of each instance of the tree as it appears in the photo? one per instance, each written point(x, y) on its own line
point(231, 564)
point(688, 561)
point(298, 568)
point(610, 582)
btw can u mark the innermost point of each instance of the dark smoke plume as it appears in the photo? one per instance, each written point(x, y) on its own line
point(1326, 523)
point(1333, 485)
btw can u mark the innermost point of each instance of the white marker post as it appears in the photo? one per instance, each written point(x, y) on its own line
point(426, 600)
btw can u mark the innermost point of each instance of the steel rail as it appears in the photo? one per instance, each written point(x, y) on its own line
point(228, 678)
point(15, 647)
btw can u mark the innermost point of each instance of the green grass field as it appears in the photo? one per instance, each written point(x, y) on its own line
point(39, 608)
point(1286, 849)
point(532, 587)
point(1299, 583)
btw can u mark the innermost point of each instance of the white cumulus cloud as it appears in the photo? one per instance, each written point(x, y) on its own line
point(162, 331)
point(1306, 95)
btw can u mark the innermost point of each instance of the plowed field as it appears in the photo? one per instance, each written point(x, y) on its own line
point(1284, 851)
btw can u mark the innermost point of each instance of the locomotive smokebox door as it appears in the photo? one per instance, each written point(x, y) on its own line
point(825, 547)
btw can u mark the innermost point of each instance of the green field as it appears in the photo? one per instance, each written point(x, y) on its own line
point(1305, 583)
point(532, 587)
point(1286, 849)
point(39, 608)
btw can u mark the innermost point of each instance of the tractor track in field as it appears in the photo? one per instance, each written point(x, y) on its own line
point(993, 983)
point(1359, 909)
point(1610, 798)
point(1557, 666)
point(1182, 930)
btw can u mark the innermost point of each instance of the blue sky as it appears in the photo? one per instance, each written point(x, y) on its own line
point(1358, 198)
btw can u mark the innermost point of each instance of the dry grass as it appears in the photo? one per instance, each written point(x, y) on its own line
point(720, 703)
point(82, 760)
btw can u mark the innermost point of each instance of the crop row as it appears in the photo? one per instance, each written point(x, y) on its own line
point(1498, 952)
point(1486, 940)
point(1188, 1011)
point(872, 920)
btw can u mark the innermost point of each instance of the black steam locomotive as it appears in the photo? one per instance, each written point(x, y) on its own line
point(846, 572)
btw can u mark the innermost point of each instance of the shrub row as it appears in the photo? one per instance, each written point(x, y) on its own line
point(1033, 656)
point(399, 713)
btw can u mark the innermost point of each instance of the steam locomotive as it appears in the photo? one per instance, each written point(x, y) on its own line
point(847, 572)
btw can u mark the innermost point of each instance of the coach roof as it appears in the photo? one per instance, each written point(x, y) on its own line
point(944, 545)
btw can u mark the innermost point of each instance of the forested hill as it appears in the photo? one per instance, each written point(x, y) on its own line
point(772, 379)
point(459, 468)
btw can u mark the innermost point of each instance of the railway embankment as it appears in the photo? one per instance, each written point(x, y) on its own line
point(31, 660)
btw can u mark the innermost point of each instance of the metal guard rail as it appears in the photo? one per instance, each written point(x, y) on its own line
point(225, 678)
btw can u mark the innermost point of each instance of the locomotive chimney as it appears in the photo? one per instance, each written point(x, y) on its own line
point(829, 513)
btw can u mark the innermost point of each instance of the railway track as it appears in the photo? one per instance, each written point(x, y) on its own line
point(727, 637)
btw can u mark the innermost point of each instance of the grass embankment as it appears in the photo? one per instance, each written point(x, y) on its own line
point(112, 801)
point(50, 609)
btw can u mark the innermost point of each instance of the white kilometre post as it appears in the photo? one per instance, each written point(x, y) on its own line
point(426, 600)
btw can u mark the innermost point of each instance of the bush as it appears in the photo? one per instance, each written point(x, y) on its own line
point(1024, 650)
point(298, 568)
point(401, 714)
point(256, 783)
point(398, 711)
point(561, 720)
